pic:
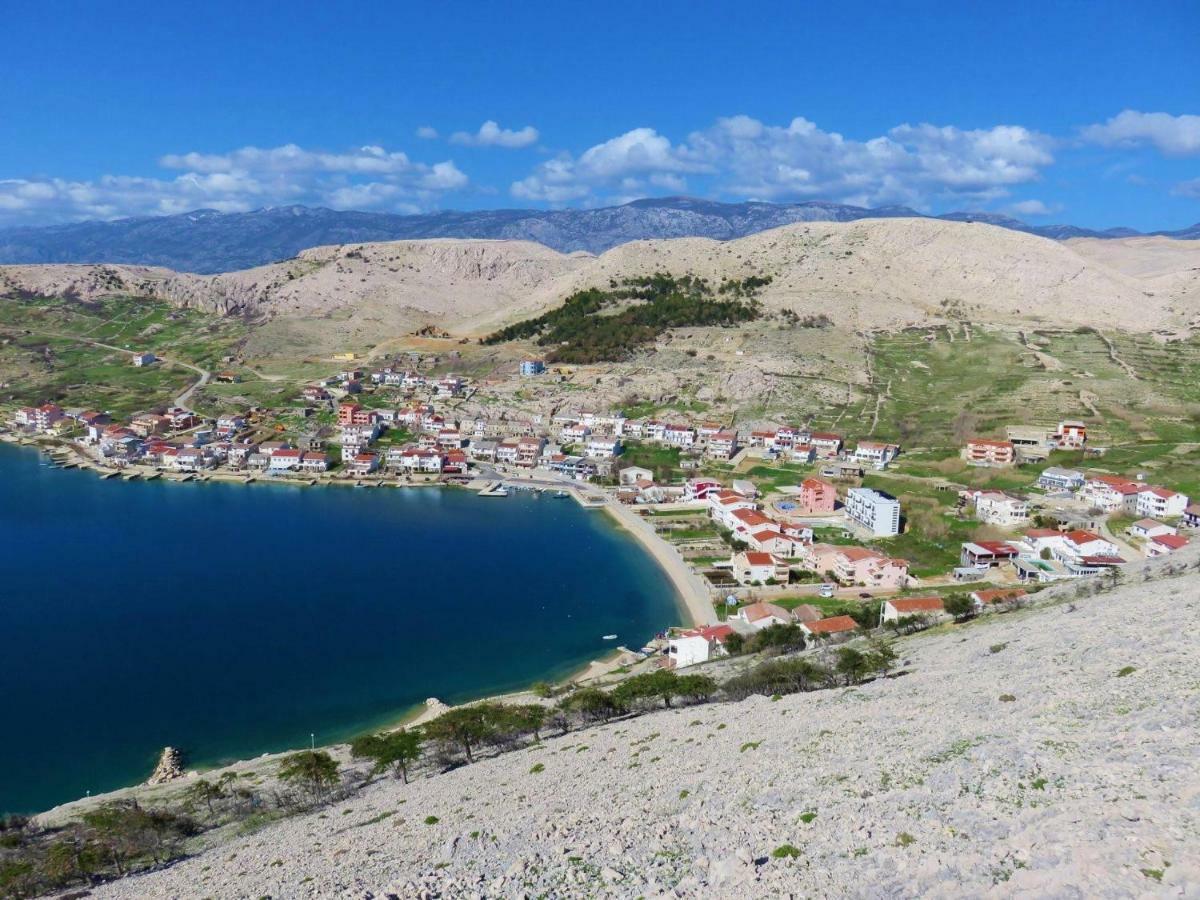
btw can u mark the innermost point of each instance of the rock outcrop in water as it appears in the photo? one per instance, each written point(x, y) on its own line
point(169, 768)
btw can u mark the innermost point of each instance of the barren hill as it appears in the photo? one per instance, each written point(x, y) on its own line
point(1045, 753)
point(865, 274)
point(1168, 268)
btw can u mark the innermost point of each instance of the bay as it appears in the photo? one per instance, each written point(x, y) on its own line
point(232, 620)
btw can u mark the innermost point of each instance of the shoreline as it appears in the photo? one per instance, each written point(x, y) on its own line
point(691, 599)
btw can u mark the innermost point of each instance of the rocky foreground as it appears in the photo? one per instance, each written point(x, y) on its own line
point(1051, 752)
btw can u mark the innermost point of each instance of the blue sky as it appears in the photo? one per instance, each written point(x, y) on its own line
point(1081, 112)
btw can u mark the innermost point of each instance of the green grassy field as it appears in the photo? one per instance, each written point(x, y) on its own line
point(933, 386)
point(45, 354)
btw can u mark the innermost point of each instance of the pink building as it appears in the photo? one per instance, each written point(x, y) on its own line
point(817, 496)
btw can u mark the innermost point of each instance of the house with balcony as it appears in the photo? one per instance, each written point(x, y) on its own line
point(1056, 478)
point(722, 445)
point(1000, 509)
point(875, 453)
point(987, 452)
point(1160, 503)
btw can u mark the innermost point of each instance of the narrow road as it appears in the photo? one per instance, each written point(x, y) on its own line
point(181, 400)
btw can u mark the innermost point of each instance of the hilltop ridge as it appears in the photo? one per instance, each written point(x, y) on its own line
point(207, 241)
point(865, 274)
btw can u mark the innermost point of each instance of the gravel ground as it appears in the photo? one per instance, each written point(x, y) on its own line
point(1011, 760)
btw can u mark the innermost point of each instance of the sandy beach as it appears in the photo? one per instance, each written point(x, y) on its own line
point(692, 590)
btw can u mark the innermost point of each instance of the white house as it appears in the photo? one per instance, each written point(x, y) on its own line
point(1001, 509)
point(722, 445)
point(904, 607)
point(285, 459)
point(602, 447)
point(697, 645)
point(631, 475)
point(1160, 503)
point(1163, 544)
point(763, 615)
point(756, 567)
point(1056, 478)
point(679, 435)
point(1110, 492)
point(875, 453)
point(1149, 528)
point(723, 504)
point(877, 512)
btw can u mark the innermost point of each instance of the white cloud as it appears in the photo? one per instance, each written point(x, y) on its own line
point(490, 134)
point(427, 133)
point(1173, 135)
point(1033, 208)
point(248, 178)
point(1187, 189)
point(739, 155)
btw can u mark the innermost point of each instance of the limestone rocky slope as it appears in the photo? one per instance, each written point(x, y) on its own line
point(866, 274)
point(1046, 753)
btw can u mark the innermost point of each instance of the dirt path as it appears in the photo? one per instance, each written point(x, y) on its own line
point(1112, 354)
point(181, 400)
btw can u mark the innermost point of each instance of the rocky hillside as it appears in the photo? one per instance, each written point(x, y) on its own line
point(207, 241)
point(1044, 753)
point(866, 274)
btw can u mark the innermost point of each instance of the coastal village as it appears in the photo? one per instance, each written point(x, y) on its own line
point(758, 524)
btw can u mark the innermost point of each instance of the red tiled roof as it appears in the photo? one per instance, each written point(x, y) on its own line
point(712, 632)
point(995, 546)
point(759, 559)
point(1172, 541)
point(1042, 532)
point(917, 604)
point(832, 625)
point(762, 610)
point(994, 595)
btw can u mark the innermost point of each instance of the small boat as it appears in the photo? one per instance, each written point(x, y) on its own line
point(610, 637)
point(561, 495)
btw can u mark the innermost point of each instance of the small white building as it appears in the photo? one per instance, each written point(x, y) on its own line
point(631, 475)
point(1149, 528)
point(906, 607)
point(763, 615)
point(697, 645)
point(144, 359)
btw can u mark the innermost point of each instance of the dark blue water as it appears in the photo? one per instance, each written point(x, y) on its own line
point(231, 620)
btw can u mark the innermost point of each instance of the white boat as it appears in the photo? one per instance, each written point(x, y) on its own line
point(610, 637)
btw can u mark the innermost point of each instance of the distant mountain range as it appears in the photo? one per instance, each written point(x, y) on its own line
point(207, 241)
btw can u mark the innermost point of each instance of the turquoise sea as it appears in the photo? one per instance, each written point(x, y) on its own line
point(233, 620)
